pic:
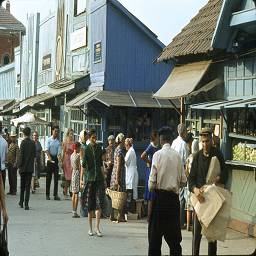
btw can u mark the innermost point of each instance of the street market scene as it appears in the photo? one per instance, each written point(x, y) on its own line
point(126, 133)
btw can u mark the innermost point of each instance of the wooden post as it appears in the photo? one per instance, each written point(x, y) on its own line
point(182, 110)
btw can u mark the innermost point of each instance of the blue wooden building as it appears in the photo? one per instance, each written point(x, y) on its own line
point(123, 78)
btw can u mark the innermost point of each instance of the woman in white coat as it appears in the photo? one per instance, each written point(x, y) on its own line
point(131, 177)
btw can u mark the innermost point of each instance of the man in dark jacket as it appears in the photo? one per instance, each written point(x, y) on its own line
point(197, 179)
point(26, 166)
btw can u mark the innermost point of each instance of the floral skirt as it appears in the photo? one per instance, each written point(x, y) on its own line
point(75, 181)
point(93, 195)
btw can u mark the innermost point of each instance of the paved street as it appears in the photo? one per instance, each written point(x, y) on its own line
point(48, 230)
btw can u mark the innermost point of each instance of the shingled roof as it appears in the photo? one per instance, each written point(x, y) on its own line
point(9, 22)
point(196, 37)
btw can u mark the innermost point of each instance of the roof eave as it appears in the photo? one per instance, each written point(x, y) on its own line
point(138, 23)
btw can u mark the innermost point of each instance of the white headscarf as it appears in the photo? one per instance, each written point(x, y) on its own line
point(82, 135)
point(119, 137)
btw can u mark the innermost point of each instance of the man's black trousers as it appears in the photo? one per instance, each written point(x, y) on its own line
point(25, 184)
point(165, 222)
point(212, 246)
point(52, 168)
point(12, 177)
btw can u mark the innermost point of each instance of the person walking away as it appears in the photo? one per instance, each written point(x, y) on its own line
point(131, 172)
point(94, 189)
point(53, 152)
point(180, 146)
point(147, 156)
point(66, 162)
point(166, 176)
point(118, 175)
point(3, 155)
point(75, 180)
point(197, 179)
point(109, 158)
point(37, 169)
point(26, 166)
point(84, 140)
point(12, 160)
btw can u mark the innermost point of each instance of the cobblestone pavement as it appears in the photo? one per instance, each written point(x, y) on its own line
point(47, 229)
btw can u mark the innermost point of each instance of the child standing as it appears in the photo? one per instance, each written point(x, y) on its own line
point(75, 179)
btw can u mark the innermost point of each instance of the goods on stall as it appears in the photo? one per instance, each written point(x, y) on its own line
point(244, 152)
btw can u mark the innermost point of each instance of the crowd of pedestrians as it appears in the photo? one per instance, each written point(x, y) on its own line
point(176, 168)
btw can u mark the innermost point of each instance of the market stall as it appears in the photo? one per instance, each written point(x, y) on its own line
point(34, 122)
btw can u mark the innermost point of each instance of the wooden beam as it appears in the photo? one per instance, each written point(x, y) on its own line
point(174, 106)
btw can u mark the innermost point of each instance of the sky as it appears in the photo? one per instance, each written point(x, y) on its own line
point(165, 18)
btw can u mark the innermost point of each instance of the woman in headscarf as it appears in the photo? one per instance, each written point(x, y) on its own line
point(84, 141)
point(147, 156)
point(118, 173)
point(66, 161)
point(131, 172)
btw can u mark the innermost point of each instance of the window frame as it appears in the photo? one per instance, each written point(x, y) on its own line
point(76, 14)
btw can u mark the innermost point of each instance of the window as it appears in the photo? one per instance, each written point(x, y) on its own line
point(6, 59)
point(97, 52)
point(79, 7)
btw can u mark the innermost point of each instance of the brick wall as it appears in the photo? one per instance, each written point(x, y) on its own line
point(7, 45)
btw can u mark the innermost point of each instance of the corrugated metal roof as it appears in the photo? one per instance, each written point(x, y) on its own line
point(5, 104)
point(82, 99)
point(9, 22)
point(182, 80)
point(196, 37)
point(118, 98)
point(9, 110)
point(36, 99)
point(214, 105)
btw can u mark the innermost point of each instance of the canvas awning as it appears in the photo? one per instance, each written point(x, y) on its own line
point(206, 88)
point(124, 99)
point(182, 80)
point(29, 118)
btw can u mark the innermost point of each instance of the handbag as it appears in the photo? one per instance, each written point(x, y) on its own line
point(4, 241)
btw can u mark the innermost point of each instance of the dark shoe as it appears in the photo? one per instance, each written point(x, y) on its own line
point(26, 207)
point(21, 205)
point(56, 198)
point(33, 191)
point(75, 215)
point(9, 193)
point(13, 193)
point(48, 198)
point(183, 227)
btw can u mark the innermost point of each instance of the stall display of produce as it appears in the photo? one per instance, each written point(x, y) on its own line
point(244, 152)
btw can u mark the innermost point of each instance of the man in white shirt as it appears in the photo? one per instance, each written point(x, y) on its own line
point(181, 147)
point(166, 176)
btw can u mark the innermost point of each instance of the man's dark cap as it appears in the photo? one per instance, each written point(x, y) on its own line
point(205, 131)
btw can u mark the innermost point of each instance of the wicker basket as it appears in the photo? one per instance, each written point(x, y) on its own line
point(118, 198)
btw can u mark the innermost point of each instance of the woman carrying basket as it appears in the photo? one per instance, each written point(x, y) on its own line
point(118, 174)
point(93, 194)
